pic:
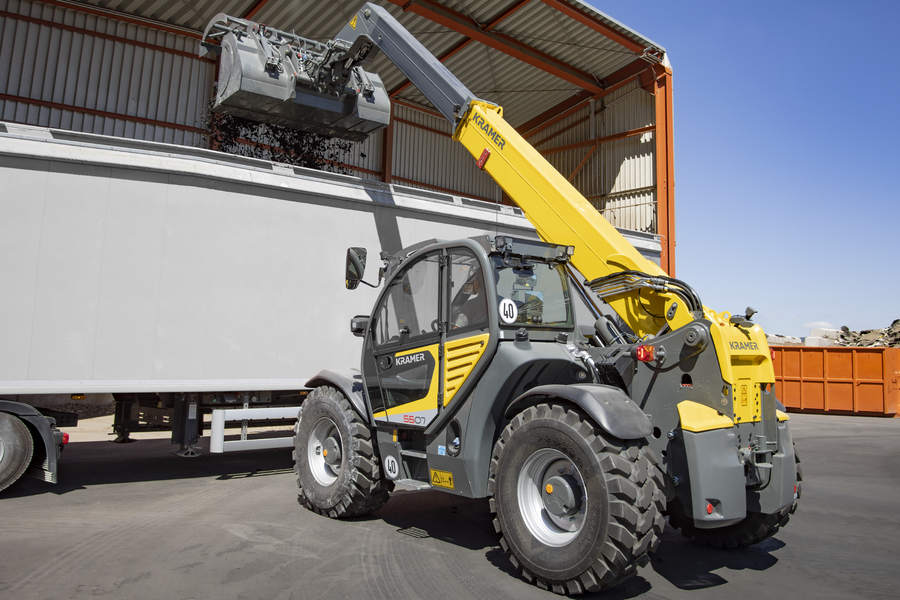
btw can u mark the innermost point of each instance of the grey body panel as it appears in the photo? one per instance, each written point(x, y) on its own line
point(779, 491)
point(482, 414)
point(716, 476)
point(609, 407)
point(349, 381)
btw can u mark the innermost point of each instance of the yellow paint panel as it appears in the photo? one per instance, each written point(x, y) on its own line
point(442, 479)
point(697, 417)
point(460, 358)
point(782, 416)
point(429, 402)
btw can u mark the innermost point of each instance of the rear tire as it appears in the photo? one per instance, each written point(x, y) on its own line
point(612, 515)
point(338, 472)
point(16, 449)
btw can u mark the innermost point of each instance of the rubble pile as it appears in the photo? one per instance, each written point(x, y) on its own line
point(888, 337)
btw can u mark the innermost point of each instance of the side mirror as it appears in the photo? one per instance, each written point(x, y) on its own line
point(356, 267)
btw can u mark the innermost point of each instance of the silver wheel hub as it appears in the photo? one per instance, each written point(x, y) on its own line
point(323, 452)
point(553, 501)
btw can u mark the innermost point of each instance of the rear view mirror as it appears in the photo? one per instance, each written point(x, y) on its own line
point(356, 267)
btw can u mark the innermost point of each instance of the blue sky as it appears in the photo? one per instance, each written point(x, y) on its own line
point(787, 155)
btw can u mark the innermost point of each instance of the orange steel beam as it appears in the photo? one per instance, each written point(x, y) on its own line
point(573, 101)
point(665, 170)
point(600, 140)
point(425, 127)
point(123, 17)
point(463, 44)
point(418, 107)
point(626, 72)
point(440, 14)
point(583, 161)
point(102, 36)
point(255, 9)
point(553, 116)
point(595, 24)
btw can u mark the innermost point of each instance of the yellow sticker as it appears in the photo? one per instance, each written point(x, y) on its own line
point(442, 479)
point(353, 22)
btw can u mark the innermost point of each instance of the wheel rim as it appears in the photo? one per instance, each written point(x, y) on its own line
point(548, 528)
point(2, 449)
point(324, 434)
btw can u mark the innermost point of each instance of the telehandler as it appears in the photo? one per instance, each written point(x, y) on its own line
point(475, 378)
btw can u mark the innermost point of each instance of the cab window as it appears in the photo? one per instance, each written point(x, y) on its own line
point(410, 306)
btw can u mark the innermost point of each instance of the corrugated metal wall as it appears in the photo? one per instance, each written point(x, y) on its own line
point(431, 157)
point(619, 177)
point(71, 70)
point(78, 71)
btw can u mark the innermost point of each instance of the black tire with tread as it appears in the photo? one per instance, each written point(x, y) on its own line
point(755, 528)
point(360, 487)
point(623, 484)
point(16, 451)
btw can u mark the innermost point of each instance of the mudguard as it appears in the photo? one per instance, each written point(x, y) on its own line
point(43, 464)
point(349, 381)
point(609, 407)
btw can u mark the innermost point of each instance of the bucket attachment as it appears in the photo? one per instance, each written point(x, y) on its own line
point(279, 78)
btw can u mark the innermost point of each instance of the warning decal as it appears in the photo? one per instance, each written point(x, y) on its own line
point(353, 22)
point(442, 479)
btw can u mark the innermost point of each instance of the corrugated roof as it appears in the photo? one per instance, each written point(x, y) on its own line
point(524, 90)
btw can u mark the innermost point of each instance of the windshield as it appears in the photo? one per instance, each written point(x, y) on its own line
point(532, 294)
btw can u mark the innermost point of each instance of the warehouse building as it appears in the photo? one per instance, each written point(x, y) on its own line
point(592, 95)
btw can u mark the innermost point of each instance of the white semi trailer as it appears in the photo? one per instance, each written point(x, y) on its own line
point(184, 280)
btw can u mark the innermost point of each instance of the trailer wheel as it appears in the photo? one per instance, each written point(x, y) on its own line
point(577, 509)
point(755, 528)
point(337, 470)
point(16, 449)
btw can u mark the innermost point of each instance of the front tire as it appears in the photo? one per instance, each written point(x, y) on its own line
point(577, 509)
point(338, 472)
point(16, 449)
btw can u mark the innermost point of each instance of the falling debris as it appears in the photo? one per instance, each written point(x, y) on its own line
point(889, 337)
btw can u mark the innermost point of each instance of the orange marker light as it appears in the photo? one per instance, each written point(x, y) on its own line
point(645, 353)
point(549, 488)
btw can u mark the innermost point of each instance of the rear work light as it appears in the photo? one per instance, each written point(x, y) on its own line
point(645, 353)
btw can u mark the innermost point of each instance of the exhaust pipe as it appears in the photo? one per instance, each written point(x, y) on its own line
point(279, 78)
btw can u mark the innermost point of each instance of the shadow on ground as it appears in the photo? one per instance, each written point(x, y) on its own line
point(469, 524)
point(87, 464)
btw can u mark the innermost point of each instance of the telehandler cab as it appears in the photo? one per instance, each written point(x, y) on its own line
point(475, 378)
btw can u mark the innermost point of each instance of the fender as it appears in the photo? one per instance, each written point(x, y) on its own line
point(45, 427)
point(349, 381)
point(608, 406)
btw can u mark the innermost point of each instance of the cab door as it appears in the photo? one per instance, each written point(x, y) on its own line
point(405, 340)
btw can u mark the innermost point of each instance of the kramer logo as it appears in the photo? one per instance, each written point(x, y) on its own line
point(409, 359)
point(744, 345)
point(480, 122)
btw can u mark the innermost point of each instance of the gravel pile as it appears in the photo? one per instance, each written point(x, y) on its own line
point(888, 337)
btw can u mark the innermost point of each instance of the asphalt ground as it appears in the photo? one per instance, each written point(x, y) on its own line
point(135, 521)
